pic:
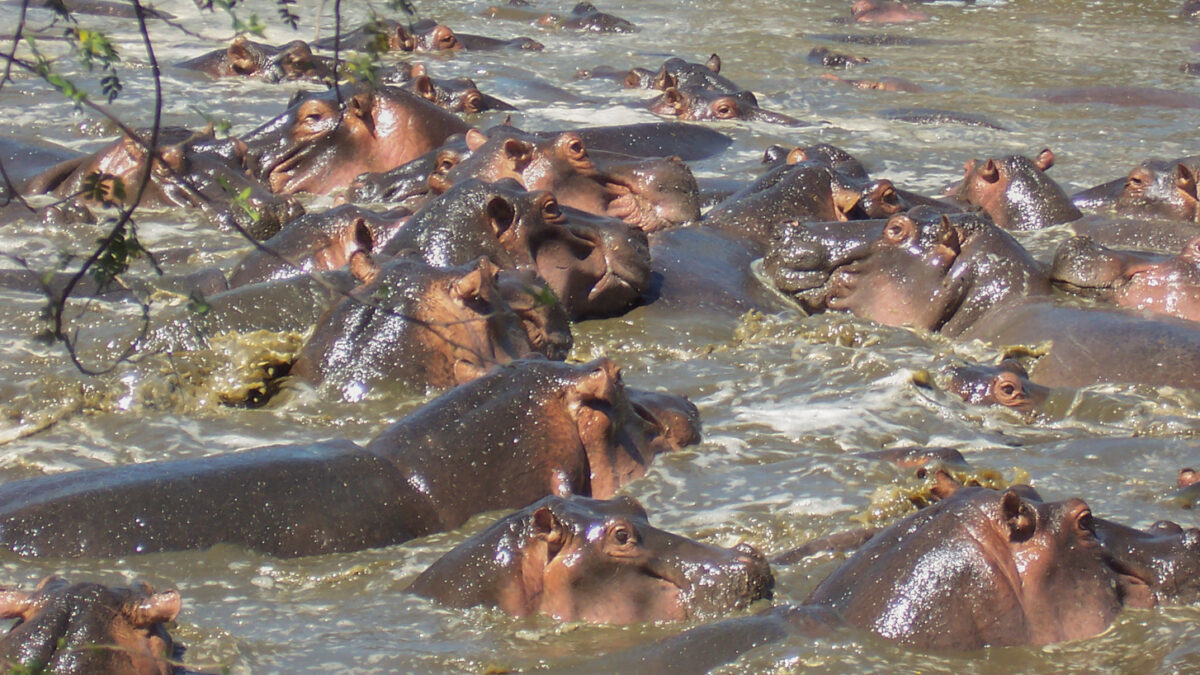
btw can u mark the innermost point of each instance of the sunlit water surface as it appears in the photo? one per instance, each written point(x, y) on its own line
point(786, 400)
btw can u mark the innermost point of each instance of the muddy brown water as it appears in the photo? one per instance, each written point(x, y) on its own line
point(787, 400)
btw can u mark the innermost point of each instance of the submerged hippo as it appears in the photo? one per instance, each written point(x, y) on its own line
point(705, 104)
point(86, 628)
point(966, 278)
point(1153, 189)
point(191, 169)
point(1158, 284)
point(413, 326)
point(319, 146)
point(382, 35)
point(519, 433)
point(579, 559)
point(244, 58)
point(317, 242)
point(980, 568)
point(1006, 384)
point(1016, 192)
point(648, 193)
point(595, 265)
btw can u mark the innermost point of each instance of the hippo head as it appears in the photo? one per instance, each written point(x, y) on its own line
point(1165, 559)
point(919, 269)
point(704, 104)
point(413, 326)
point(295, 61)
point(1016, 192)
point(638, 78)
point(546, 320)
point(458, 95)
point(579, 559)
point(420, 36)
point(1007, 384)
point(320, 144)
point(651, 194)
point(560, 164)
point(190, 169)
point(1162, 190)
point(680, 74)
point(319, 242)
point(594, 264)
point(980, 568)
point(89, 628)
point(1160, 284)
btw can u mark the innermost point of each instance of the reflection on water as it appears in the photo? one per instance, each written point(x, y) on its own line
point(786, 400)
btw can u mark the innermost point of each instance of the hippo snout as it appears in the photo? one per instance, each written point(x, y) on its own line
point(742, 577)
point(1082, 262)
point(797, 261)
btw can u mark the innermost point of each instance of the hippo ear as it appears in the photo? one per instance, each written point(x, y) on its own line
point(173, 156)
point(899, 229)
point(404, 40)
point(547, 527)
point(472, 284)
point(989, 171)
point(1018, 516)
point(663, 80)
point(363, 238)
point(423, 87)
point(475, 139)
point(518, 154)
point(1008, 390)
point(673, 98)
point(359, 108)
point(240, 56)
point(1188, 477)
point(713, 63)
point(363, 267)
point(1185, 180)
point(417, 70)
point(14, 604)
point(501, 214)
point(944, 485)
point(1044, 160)
point(155, 608)
point(599, 383)
point(797, 155)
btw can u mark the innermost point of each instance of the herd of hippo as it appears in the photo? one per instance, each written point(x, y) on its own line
point(455, 259)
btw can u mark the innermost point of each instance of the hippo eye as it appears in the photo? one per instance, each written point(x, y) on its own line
point(473, 103)
point(1134, 183)
point(725, 110)
point(623, 536)
point(889, 196)
point(575, 147)
point(550, 210)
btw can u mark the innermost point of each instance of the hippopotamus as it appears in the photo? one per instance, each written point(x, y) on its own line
point(821, 56)
point(838, 159)
point(191, 169)
point(967, 278)
point(884, 11)
point(316, 242)
point(1190, 68)
point(382, 35)
point(680, 74)
point(1148, 282)
point(413, 326)
point(579, 559)
point(1006, 571)
point(460, 95)
point(244, 58)
point(804, 191)
point(979, 568)
point(595, 265)
point(521, 432)
point(319, 145)
point(647, 193)
point(1153, 189)
point(879, 84)
point(88, 627)
point(704, 104)
point(935, 116)
point(1015, 192)
point(584, 16)
point(546, 321)
point(1006, 384)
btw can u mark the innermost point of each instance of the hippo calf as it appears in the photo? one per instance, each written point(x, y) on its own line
point(579, 559)
point(82, 628)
